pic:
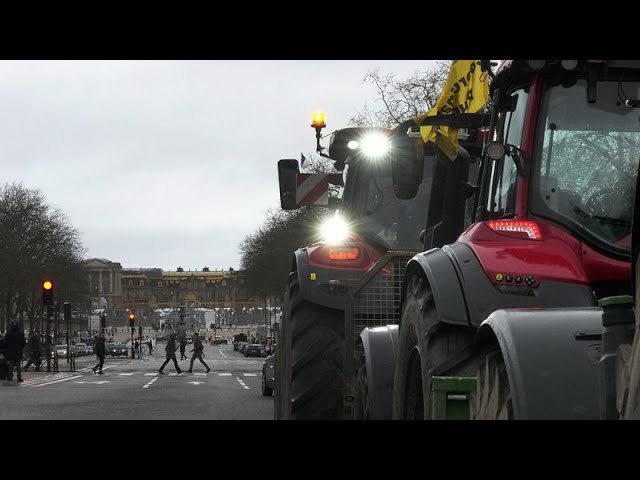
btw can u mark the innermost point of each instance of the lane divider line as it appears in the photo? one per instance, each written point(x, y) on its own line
point(58, 381)
point(150, 383)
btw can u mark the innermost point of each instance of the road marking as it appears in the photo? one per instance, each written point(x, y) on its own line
point(224, 374)
point(250, 374)
point(57, 381)
point(244, 385)
point(222, 353)
point(150, 383)
point(151, 374)
point(200, 374)
point(127, 374)
point(196, 383)
point(99, 383)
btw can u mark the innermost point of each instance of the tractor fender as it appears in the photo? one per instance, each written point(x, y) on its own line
point(310, 289)
point(444, 283)
point(380, 345)
point(463, 294)
point(551, 358)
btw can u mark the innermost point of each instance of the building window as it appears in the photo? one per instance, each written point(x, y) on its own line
point(142, 283)
point(159, 284)
point(131, 283)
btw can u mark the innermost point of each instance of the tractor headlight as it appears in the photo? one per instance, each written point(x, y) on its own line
point(335, 229)
point(374, 145)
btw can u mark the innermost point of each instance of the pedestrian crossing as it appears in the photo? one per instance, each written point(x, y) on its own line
point(86, 373)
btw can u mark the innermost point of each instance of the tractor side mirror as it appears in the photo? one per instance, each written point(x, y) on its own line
point(407, 166)
point(287, 172)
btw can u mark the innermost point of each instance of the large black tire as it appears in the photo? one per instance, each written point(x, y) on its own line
point(361, 403)
point(266, 391)
point(312, 357)
point(632, 402)
point(418, 352)
point(492, 398)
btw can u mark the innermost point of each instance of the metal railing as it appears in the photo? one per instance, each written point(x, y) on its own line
point(372, 302)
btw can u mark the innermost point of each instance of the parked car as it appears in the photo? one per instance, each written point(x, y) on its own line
point(117, 350)
point(83, 349)
point(255, 350)
point(61, 350)
point(269, 375)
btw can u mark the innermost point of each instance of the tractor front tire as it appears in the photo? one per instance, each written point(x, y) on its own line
point(315, 371)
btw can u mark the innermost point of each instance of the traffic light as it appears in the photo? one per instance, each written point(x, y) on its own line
point(132, 319)
point(47, 293)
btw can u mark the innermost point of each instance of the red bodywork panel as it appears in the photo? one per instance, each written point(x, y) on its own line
point(528, 138)
point(557, 256)
point(368, 256)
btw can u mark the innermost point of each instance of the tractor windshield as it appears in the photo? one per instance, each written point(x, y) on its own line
point(587, 161)
point(375, 210)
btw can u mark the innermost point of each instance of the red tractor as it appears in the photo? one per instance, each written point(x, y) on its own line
point(503, 321)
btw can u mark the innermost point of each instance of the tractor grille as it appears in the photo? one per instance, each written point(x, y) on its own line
point(378, 302)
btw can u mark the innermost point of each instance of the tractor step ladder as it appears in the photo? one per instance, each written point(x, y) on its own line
point(451, 397)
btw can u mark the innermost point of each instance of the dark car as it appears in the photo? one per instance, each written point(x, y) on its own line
point(117, 350)
point(255, 350)
point(268, 375)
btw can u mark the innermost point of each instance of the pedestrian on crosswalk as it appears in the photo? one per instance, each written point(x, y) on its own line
point(197, 353)
point(171, 353)
point(101, 351)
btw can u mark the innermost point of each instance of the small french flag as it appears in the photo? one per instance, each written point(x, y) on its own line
point(304, 162)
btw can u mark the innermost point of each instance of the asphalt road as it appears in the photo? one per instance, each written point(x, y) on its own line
point(134, 390)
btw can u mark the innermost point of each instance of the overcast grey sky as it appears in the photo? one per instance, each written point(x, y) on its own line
point(169, 163)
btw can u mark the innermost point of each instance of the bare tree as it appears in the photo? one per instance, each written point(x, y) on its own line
point(266, 255)
point(400, 100)
point(38, 242)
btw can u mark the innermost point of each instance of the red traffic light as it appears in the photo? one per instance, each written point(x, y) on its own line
point(132, 319)
point(47, 285)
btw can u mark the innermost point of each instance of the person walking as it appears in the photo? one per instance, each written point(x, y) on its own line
point(35, 353)
point(183, 347)
point(15, 343)
point(101, 351)
point(171, 354)
point(197, 353)
point(150, 345)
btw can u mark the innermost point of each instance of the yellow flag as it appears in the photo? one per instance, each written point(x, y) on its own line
point(466, 91)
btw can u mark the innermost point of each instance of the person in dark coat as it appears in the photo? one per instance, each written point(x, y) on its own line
point(35, 351)
point(13, 355)
point(197, 353)
point(183, 347)
point(171, 353)
point(150, 345)
point(101, 351)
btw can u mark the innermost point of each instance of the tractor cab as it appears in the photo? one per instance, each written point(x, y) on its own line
point(563, 163)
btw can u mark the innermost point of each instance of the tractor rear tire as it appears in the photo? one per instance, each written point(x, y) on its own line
point(361, 404)
point(492, 398)
point(424, 342)
point(316, 359)
point(266, 391)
